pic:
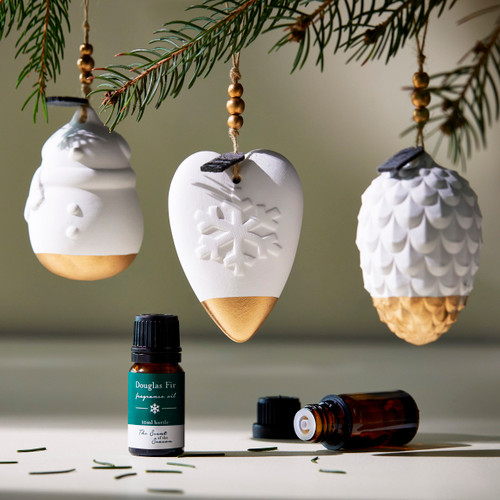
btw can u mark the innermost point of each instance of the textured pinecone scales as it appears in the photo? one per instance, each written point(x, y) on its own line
point(419, 320)
point(419, 238)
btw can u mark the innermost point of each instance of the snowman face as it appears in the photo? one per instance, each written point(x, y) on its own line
point(88, 144)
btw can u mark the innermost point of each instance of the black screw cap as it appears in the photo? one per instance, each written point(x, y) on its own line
point(275, 416)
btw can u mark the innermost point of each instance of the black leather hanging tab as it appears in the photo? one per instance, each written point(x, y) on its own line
point(223, 162)
point(400, 159)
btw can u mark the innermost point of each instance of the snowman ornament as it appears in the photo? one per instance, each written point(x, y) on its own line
point(419, 237)
point(236, 237)
point(84, 217)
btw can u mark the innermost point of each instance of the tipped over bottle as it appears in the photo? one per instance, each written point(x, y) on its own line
point(363, 420)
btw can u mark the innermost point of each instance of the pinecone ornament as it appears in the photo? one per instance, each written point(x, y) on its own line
point(419, 237)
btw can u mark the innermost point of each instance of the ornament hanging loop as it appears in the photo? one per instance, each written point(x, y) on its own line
point(85, 63)
point(235, 107)
point(420, 96)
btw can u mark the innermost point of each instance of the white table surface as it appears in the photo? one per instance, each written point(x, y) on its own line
point(70, 397)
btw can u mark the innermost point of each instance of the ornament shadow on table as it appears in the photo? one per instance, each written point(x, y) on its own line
point(84, 217)
point(419, 236)
point(235, 220)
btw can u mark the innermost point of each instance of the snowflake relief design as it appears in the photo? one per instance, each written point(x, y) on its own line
point(154, 408)
point(237, 232)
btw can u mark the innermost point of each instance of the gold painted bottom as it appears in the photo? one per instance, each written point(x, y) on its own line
point(419, 320)
point(239, 317)
point(85, 267)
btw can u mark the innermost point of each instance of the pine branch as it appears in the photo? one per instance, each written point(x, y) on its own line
point(8, 11)
point(404, 20)
point(184, 52)
point(317, 28)
point(41, 39)
point(194, 46)
point(464, 107)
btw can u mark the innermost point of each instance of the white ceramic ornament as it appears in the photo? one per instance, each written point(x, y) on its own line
point(419, 237)
point(237, 242)
point(83, 213)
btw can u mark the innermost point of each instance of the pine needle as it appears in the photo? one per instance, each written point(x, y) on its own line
point(178, 464)
point(163, 471)
point(127, 474)
point(47, 472)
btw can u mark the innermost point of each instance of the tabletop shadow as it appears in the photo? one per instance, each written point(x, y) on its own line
point(439, 444)
point(486, 453)
point(270, 453)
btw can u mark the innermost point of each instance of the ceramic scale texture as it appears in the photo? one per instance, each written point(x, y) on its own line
point(419, 237)
point(237, 242)
point(84, 217)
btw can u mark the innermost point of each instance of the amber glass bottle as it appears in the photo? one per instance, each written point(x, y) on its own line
point(156, 388)
point(363, 420)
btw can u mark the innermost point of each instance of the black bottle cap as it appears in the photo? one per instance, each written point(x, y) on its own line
point(275, 417)
point(156, 339)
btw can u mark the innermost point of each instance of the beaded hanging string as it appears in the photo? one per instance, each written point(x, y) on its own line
point(420, 96)
point(86, 62)
point(235, 107)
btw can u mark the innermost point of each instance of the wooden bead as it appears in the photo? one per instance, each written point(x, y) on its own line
point(86, 49)
point(235, 106)
point(235, 122)
point(86, 78)
point(420, 98)
point(85, 64)
point(235, 90)
point(421, 115)
point(420, 80)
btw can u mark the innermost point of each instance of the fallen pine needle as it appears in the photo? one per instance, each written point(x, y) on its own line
point(127, 474)
point(110, 467)
point(98, 462)
point(163, 471)
point(181, 465)
point(331, 471)
point(44, 472)
point(167, 491)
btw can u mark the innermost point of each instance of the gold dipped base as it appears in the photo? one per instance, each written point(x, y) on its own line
point(85, 267)
point(239, 317)
point(419, 320)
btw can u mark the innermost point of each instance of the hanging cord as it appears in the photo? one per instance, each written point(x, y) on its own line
point(420, 48)
point(86, 62)
point(420, 96)
point(86, 25)
point(235, 106)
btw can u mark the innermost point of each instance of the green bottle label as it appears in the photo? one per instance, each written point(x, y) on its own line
point(156, 410)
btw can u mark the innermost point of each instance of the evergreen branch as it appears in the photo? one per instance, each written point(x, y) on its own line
point(191, 47)
point(9, 9)
point(41, 39)
point(465, 109)
point(316, 28)
point(404, 21)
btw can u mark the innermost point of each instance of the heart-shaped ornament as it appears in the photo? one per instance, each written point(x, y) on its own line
point(236, 242)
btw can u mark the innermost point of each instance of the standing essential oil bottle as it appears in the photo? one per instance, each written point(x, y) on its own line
point(359, 420)
point(156, 388)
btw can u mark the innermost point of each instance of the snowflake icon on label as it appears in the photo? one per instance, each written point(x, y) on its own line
point(237, 232)
point(154, 408)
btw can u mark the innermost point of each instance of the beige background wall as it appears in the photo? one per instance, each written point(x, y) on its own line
point(335, 126)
